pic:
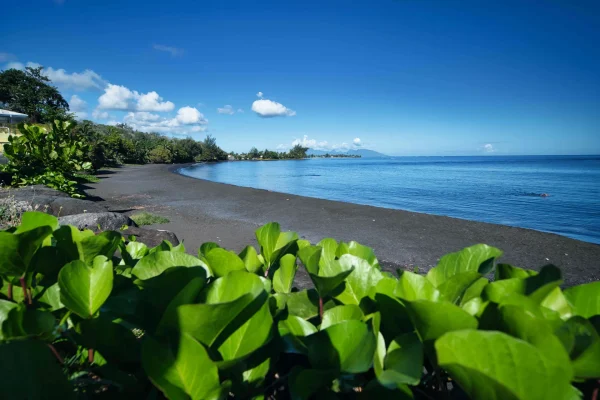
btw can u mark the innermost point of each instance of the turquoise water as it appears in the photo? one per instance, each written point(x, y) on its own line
point(497, 189)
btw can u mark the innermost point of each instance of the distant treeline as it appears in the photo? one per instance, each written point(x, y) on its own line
point(297, 152)
point(342, 155)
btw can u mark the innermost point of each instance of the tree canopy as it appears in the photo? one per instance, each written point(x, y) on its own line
point(30, 92)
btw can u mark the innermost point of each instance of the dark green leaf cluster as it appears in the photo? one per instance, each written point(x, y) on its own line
point(49, 157)
point(97, 315)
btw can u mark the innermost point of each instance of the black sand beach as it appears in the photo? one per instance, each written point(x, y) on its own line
point(201, 211)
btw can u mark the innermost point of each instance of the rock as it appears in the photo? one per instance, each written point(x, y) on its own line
point(49, 200)
point(107, 221)
point(151, 237)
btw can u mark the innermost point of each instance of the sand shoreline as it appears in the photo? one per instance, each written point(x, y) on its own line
point(203, 211)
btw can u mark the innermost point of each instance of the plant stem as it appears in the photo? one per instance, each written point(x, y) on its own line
point(321, 308)
point(91, 355)
point(64, 318)
point(9, 292)
point(26, 294)
point(55, 352)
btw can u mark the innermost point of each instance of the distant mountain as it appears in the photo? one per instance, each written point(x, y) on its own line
point(364, 153)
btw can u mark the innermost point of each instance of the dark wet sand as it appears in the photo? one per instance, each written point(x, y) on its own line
point(202, 211)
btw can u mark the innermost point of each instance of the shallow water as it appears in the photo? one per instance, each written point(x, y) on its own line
point(499, 189)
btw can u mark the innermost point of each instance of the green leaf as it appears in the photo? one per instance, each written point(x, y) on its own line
point(462, 287)
point(339, 314)
point(34, 219)
point(413, 286)
point(180, 371)
point(274, 243)
point(347, 347)
point(5, 307)
point(584, 299)
point(327, 278)
point(83, 288)
point(329, 249)
point(187, 295)
point(221, 261)
point(304, 304)
point(304, 383)
point(156, 263)
point(84, 245)
point(358, 250)
point(506, 271)
point(115, 342)
point(404, 361)
point(134, 251)
point(205, 248)
point(358, 284)
point(432, 320)
point(478, 258)
point(537, 287)
point(582, 341)
point(17, 250)
point(251, 260)
point(290, 329)
point(283, 278)
point(22, 322)
point(29, 371)
point(493, 365)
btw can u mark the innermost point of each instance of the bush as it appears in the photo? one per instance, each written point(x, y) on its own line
point(145, 218)
point(160, 155)
point(76, 315)
point(51, 158)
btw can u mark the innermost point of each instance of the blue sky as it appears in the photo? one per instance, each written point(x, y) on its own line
point(405, 77)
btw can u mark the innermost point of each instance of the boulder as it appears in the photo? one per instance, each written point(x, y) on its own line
point(49, 200)
point(151, 237)
point(106, 221)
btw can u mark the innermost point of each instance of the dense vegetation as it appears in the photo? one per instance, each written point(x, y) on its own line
point(30, 92)
point(97, 315)
point(296, 153)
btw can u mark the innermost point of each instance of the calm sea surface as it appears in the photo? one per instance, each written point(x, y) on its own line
point(498, 189)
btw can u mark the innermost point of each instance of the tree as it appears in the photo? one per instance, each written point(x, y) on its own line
point(210, 150)
point(30, 92)
point(298, 151)
point(253, 153)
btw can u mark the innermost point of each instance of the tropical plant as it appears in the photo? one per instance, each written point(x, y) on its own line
point(51, 158)
point(30, 92)
point(85, 315)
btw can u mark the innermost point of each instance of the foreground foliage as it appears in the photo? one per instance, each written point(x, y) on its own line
point(77, 320)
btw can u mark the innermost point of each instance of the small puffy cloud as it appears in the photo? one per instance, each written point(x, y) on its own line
point(15, 65)
point(117, 97)
point(341, 147)
point(190, 115)
point(488, 148)
point(151, 101)
point(259, 95)
point(97, 114)
point(77, 104)
point(140, 117)
point(311, 143)
point(269, 109)
point(79, 81)
point(227, 109)
point(357, 142)
point(174, 51)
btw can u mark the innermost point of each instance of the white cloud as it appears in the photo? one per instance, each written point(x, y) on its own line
point(341, 147)
point(357, 142)
point(190, 115)
point(169, 49)
point(97, 114)
point(140, 117)
point(85, 80)
point(488, 148)
point(77, 104)
point(259, 95)
point(117, 97)
point(268, 109)
point(227, 109)
point(151, 101)
point(311, 143)
point(15, 65)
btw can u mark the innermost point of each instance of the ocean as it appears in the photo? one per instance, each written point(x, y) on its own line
point(504, 190)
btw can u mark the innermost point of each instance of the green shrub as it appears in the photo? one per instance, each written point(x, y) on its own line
point(51, 158)
point(160, 155)
point(74, 316)
point(145, 218)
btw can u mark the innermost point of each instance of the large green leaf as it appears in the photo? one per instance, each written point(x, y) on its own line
point(274, 243)
point(347, 347)
point(17, 250)
point(28, 370)
point(304, 383)
point(537, 287)
point(506, 271)
point(462, 287)
point(187, 295)
point(221, 261)
point(478, 258)
point(413, 286)
point(21, 322)
point(84, 245)
point(582, 341)
point(359, 283)
point(156, 263)
point(5, 307)
point(251, 260)
point(431, 320)
point(115, 342)
point(291, 329)
point(34, 219)
point(584, 299)
point(329, 249)
point(328, 277)
point(180, 371)
point(492, 365)
point(358, 250)
point(403, 362)
point(339, 314)
point(304, 304)
point(84, 288)
point(283, 278)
